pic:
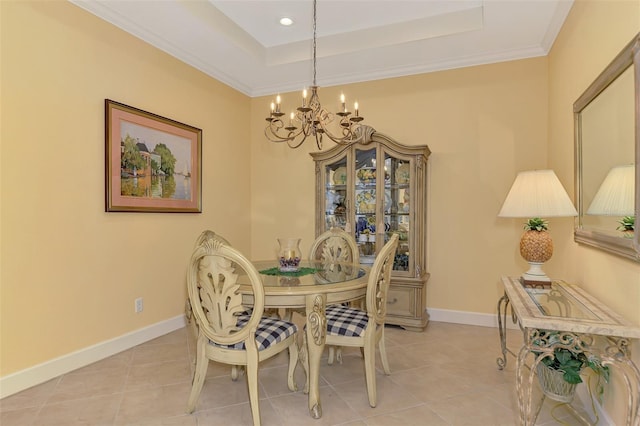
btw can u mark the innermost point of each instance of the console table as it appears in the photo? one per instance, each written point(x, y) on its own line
point(581, 323)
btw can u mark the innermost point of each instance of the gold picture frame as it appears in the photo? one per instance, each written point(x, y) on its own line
point(152, 163)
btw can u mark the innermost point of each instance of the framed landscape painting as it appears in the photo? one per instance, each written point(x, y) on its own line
point(153, 163)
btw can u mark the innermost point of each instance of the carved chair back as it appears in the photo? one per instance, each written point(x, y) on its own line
point(379, 280)
point(335, 245)
point(214, 293)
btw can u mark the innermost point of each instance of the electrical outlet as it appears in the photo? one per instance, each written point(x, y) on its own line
point(139, 305)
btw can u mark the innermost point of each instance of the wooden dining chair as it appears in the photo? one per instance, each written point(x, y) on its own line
point(206, 235)
point(228, 332)
point(364, 328)
point(335, 245)
point(188, 312)
point(332, 246)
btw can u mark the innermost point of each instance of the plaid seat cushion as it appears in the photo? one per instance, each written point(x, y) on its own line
point(270, 330)
point(346, 321)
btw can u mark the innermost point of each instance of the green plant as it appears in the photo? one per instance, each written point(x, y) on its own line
point(572, 364)
point(627, 223)
point(571, 359)
point(536, 224)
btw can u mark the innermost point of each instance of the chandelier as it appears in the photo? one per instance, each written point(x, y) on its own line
point(311, 119)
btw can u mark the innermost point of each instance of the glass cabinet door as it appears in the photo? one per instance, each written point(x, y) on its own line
point(374, 189)
point(365, 203)
point(397, 208)
point(335, 194)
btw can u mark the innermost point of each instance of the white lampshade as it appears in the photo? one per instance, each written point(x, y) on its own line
point(616, 195)
point(537, 193)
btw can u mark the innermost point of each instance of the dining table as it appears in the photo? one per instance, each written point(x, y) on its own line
point(309, 290)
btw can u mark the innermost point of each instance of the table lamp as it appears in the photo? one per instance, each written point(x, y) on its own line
point(536, 194)
point(616, 196)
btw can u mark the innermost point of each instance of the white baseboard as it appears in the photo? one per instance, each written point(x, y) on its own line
point(48, 370)
point(468, 318)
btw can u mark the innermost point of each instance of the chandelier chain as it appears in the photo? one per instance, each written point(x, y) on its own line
point(314, 41)
point(311, 119)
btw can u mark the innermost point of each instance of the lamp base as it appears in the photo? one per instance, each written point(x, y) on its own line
point(535, 273)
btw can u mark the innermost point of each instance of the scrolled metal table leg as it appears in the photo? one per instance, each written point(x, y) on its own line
point(524, 384)
point(502, 328)
point(524, 388)
point(616, 355)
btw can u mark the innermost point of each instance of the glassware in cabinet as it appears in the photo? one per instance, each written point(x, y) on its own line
point(335, 194)
point(365, 190)
point(397, 217)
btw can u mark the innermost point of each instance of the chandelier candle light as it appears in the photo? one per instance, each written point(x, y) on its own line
point(311, 119)
point(536, 194)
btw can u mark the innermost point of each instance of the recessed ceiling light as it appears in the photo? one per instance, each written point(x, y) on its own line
point(286, 21)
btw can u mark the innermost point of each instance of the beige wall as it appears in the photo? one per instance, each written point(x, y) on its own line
point(574, 63)
point(483, 125)
point(70, 272)
point(592, 36)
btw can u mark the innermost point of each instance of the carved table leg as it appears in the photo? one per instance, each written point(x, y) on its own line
point(316, 329)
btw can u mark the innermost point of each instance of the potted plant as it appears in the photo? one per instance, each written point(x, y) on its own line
point(559, 374)
point(627, 225)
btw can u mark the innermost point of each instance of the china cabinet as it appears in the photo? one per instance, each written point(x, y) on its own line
point(373, 189)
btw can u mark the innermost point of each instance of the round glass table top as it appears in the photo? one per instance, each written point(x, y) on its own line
point(312, 273)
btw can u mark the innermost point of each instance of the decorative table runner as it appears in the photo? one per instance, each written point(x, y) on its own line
point(299, 273)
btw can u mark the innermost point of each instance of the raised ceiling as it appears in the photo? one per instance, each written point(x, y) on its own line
point(242, 44)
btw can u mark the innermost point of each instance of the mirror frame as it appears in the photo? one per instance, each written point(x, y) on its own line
point(626, 247)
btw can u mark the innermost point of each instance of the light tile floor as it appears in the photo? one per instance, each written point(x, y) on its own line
point(445, 375)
